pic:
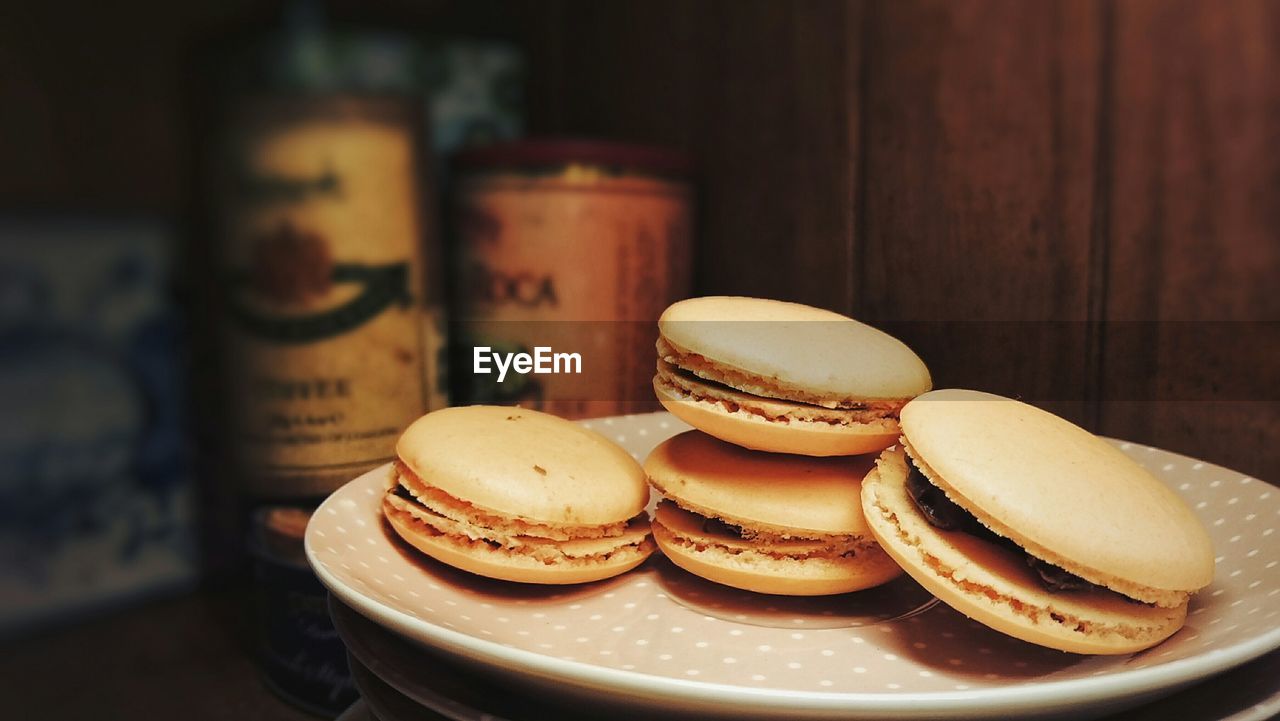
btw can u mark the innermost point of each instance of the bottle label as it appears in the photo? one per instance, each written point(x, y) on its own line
point(322, 269)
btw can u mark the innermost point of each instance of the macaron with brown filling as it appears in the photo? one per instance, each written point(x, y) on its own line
point(764, 522)
point(1035, 527)
point(518, 495)
point(783, 377)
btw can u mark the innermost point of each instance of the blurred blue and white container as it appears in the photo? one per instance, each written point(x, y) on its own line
point(95, 495)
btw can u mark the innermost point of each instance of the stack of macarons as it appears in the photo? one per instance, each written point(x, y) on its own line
point(820, 463)
point(764, 494)
point(1009, 514)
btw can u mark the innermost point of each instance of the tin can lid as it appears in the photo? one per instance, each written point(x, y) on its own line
point(277, 533)
point(549, 151)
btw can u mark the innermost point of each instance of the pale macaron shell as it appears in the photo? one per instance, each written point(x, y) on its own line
point(790, 497)
point(801, 437)
point(525, 463)
point(794, 346)
point(994, 585)
point(750, 566)
point(761, 491)
point(454, 551)
point(1060, 492)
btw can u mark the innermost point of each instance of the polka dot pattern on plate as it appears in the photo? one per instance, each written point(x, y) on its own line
point(646, 622)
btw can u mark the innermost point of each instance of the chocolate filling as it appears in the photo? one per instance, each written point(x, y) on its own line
point(691, 376)
point(715, 525)
point(941, 512)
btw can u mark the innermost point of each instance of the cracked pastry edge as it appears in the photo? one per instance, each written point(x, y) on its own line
point(544, 551)
point(767, 410)
point(443, 504)
point(804, 545)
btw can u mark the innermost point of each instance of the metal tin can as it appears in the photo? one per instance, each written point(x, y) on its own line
point(573, 246)
point(301, 655)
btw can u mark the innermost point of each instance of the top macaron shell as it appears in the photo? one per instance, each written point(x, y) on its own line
point(1057, 490)
point(526, 464)
point(799, 347)
point(763, 491)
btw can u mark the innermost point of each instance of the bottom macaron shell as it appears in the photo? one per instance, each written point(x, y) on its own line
point(995, 586)
point(760, 573)
point(806, 438)
point(504, 566)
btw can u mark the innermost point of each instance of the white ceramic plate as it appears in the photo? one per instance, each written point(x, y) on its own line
point(658, 637)
point(409, 677)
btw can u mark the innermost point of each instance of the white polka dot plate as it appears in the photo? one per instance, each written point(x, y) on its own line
point(659, 638)
point(401, 680)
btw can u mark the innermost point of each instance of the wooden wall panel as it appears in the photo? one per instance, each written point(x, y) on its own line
point(997, 182)
point(980, 147)
point(762, 94)
point(1194, 237)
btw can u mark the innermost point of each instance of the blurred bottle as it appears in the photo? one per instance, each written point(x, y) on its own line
point(321, 304)
point(328, 311)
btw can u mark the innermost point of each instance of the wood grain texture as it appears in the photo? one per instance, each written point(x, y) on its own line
point(1194, 254)
point(979, 150)
point(761, 94)
point(997, 182)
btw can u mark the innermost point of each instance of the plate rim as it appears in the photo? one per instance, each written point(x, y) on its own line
point(1068, 693)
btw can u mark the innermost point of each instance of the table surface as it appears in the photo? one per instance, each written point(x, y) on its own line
point(183, 658)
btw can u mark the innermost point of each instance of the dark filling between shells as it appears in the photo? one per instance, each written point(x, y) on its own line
point(941, 512)
point(715, 525)
point(694, 377)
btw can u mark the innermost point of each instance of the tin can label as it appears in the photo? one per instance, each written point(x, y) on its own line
point(582, 265)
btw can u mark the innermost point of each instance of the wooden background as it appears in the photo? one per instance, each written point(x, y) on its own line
point(1075, 202)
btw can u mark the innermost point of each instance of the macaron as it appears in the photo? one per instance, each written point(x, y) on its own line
point(1034, 526)
point(764, 522)
point(784, 377)
point(518, 495)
